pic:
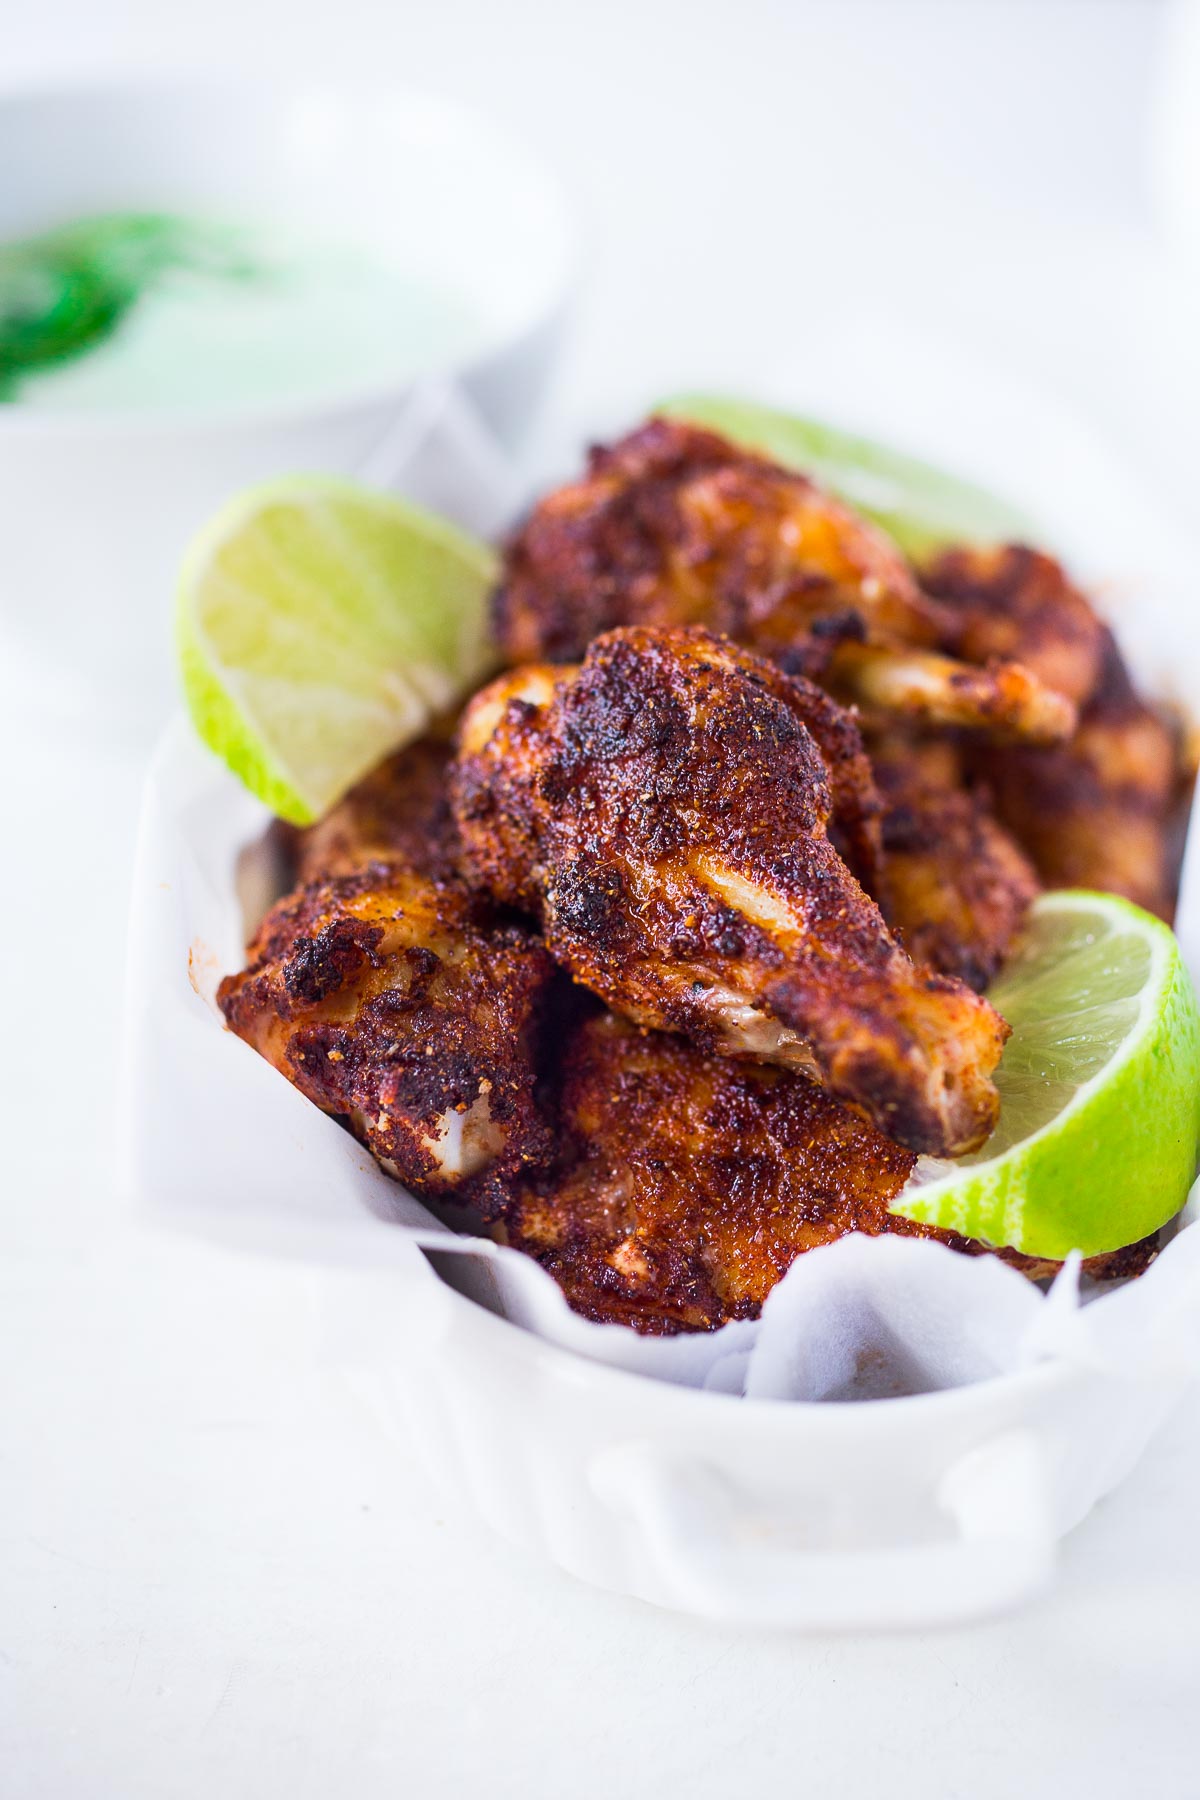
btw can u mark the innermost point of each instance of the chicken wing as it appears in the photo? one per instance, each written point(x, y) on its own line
point(397, 1003)
point(675, 526)
point(686, 1184)
point(1004, 701)
point(1013, 602)
point(663, 811)
point(1107, 810)
point(957, 884)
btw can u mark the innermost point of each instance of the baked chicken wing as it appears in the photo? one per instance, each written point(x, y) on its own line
point(675, 526)
point(1105, 809)
point(394, 1000)
point(1012, 602)
point(686, 1184)
point(663, 811)
point(957, 884)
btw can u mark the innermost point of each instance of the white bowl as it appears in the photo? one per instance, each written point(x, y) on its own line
point(96, 506)
point(941, 1505)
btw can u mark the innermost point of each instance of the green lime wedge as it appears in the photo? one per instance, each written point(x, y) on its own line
point(919, 506)
point(320, 626)
point(1099, 1085)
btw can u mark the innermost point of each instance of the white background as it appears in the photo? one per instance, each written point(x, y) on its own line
point(214, 1578)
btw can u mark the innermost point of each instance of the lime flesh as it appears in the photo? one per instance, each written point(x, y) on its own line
point(320, 626)
point(1099, 1127)
point(919, 506)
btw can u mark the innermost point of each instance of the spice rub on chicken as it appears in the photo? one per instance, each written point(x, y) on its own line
point(675, 526)
point(401, 809)
point(395, 1000)
point(663, 811)
point(957, 885)
point(686, 1184)
point(1106, 809)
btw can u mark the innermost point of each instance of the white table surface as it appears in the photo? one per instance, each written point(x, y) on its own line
point(215, 1579)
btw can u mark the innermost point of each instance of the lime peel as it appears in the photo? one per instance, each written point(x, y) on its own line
point(1103, 1161)
point(320, 626)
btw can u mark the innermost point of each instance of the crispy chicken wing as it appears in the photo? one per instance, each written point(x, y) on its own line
point(675, 526)
point(663, 811)
point(957, 884)
point(1010, 601)
point(397, 1003)
point(686, 1184)
point(1003, 701)
point(1106, 809)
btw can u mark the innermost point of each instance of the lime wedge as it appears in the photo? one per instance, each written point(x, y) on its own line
point(921, 508)
point(320, 626)
point(1099, 1086)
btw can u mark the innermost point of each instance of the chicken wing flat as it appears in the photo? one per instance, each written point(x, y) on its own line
point(676, 526)
point(395, 1002)
point(1107, 810)
point(957, 885)
point(663, 811)
point(686, 1184)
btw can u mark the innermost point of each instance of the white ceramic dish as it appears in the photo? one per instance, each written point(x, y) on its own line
point(96, 507)
point(940, 1505)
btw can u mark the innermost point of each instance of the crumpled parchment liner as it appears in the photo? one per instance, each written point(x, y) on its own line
point(224, 1146)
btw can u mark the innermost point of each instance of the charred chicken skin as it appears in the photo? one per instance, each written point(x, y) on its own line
point(393, 999)
point(663, 811)
point(1105, 809)
point(686, 1184)
point(957, 884)
point(674, 526)
point(1012, 602)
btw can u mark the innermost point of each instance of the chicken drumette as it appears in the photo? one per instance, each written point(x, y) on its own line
point(395, 1000)
point(1108, 808)
point(685, 1184)
point(675, 526)
point(663, 811)
point(957, 885)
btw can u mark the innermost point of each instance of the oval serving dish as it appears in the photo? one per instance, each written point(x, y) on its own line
point(943, 1501)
